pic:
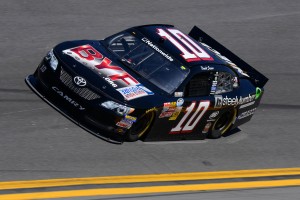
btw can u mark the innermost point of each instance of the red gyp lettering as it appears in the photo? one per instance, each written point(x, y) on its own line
point(87, 52)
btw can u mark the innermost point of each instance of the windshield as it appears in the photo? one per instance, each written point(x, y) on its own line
point(149, 61)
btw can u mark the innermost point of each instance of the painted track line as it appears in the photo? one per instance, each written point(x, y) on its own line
point(153, 189)
point(193, 176)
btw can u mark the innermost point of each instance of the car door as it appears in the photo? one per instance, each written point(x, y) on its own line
point(181, 117)
point(197, 103)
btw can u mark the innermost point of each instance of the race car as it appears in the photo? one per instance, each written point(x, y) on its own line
point(149, 83)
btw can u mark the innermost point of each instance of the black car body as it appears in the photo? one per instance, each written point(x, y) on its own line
point(152, 83)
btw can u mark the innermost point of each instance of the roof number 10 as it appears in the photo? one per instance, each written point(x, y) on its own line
point(190, 50)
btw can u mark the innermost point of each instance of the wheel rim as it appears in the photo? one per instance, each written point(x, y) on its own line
point(224, 122)
point(142, 125)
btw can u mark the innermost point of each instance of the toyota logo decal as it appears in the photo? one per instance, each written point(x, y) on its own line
point(80, 81)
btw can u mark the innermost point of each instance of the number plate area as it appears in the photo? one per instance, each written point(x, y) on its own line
point(188, 125)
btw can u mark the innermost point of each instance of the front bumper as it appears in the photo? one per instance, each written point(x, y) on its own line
point(75, 109)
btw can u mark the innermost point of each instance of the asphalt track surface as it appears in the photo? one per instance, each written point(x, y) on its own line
point(36, 142)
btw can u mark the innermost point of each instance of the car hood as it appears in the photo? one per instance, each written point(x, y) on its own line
point(102, 71)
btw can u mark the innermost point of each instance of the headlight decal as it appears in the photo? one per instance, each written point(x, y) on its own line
point(119, 109)
point(53, 62)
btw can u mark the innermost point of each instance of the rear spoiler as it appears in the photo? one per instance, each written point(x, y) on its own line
point(257, 78)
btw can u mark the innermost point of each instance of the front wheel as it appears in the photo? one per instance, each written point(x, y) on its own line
point(223, 124)
point(140, 128)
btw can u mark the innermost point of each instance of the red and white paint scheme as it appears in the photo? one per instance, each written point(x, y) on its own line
point(114, 75)
point(191, 51)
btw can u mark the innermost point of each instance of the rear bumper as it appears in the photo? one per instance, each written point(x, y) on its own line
point(74, 112)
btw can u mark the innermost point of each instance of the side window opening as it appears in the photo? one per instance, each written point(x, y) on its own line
point(224, 82)
point(204, 84)
point(199, 85)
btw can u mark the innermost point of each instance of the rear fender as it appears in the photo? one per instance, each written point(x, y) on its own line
point(258, 79)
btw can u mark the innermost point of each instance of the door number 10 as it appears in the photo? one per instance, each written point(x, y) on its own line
point(185, 127)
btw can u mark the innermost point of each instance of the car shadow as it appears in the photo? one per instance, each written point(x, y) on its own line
point(232, 132)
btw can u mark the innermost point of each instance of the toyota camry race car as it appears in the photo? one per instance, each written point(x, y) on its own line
point(150, 83)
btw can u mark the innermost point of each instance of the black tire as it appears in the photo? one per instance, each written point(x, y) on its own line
point(222, 124)
point(140, 127)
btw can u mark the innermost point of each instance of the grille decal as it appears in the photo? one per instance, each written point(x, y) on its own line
point(83, 92)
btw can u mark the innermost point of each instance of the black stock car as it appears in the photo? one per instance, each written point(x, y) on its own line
point(151, 83)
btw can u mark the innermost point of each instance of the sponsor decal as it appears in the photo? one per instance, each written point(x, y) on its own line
point(167, 105)
point(213, 87)
point(178, 94)
point(167, 113)
point(206, 127)
point(153, 46)
point(216, 76)
point(91, 58)
point(131, 118)
point(110, 82)
point(79, 81)
point(246, 113)
point(183, 67)
point(221, 101)
point(214, 115)
point(125, 123)
point(179, 102)
point(133, 92)
point(116, 76)
point(258, 93)
point(218, 101)
point(176, 113)
point(67, 98)
point(214, 84)
point(168, 109)
point(207, 68)
point(247, 104)
point(145, 89)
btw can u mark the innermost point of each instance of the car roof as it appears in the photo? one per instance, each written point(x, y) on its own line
point(151, 32)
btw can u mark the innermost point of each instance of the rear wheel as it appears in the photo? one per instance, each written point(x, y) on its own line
point(222, 124)
point(140, 127)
